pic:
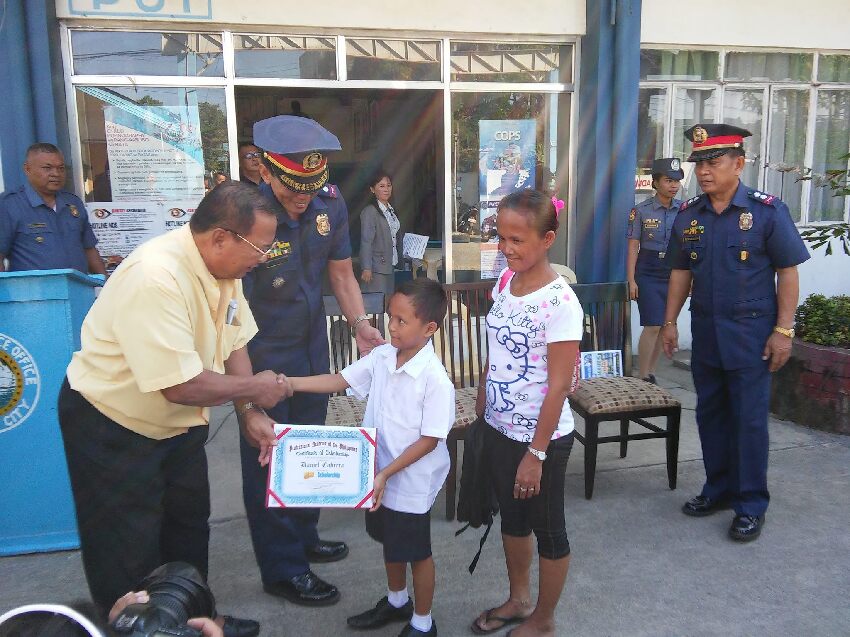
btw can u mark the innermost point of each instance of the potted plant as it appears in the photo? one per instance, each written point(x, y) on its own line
point(814, 386)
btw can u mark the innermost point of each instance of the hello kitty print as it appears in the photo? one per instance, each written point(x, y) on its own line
point(518, 331)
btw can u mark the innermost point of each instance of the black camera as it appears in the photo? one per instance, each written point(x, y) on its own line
point(177, 592)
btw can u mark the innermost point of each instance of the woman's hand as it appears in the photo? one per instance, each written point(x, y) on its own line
point(633, 290)
point(366, 276)
point(527, 483)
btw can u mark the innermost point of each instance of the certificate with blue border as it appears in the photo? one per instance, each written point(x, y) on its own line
point(322, 467)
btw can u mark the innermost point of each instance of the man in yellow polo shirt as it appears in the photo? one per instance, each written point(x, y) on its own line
point(164, 341)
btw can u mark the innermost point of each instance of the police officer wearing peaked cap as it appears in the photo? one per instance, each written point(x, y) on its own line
point(740, 249)
point(285, 295)
point(649, 228)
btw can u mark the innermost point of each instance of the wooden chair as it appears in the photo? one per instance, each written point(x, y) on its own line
point(462, 346)
point(607, 325)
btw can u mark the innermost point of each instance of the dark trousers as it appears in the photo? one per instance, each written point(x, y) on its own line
point(732, 413)
point(280, 536)
point(140, 502)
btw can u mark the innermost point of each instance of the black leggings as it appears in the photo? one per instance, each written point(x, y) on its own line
point(544, 513)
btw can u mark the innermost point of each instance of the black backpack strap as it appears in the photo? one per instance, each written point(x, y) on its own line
point(475, 559)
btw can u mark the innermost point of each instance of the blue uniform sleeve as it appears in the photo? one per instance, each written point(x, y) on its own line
point(635, 224)
point(88, 239)
point(676, 257)
point(7, 230)
point(785, 247)
point(341, 245)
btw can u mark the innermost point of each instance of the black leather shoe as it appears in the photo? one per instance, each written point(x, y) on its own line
point(381, 615)
point(410, 631)
point(746, 528)
point(651, 379)
point(327, 552)
point(307, 589)
point(235, 627)
point(701, 506)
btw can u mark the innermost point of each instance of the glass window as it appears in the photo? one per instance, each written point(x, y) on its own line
point(832, 143)
point(149, 143)
point(511, 62)
point(503, 142)
point(652, 115)
point(662, 64)
point(691, 106)
point(402, 60)
point(834, 68)
point(147, 53)
point(744, 107)
point(789, 114)
point(768, 67)
point(285, 56)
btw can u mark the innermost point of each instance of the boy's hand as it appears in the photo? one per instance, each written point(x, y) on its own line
point(258, 430)
point(378, 490)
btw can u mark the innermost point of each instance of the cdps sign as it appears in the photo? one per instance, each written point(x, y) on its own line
point(195, 9)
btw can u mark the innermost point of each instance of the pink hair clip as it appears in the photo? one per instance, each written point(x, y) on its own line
point(559, 204)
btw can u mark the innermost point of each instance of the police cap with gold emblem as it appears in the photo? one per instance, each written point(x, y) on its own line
point(669, 167)
point(294, 151)
point(714, 140)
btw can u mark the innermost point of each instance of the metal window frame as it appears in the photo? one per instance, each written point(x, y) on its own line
point(230, 83)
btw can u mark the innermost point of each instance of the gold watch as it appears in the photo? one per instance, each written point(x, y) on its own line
point(785, 331)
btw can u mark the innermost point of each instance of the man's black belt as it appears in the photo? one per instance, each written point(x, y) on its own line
point(658, 254)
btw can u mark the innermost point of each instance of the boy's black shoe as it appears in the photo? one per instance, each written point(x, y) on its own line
point(236, 627)
point(701, 505)
point(381, 615)
point(746, 528)
point(410, 631)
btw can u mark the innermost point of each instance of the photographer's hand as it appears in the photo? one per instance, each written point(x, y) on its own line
point(133, 597)
point(207, 626)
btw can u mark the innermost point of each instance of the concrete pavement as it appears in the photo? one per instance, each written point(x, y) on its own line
point(639, 567)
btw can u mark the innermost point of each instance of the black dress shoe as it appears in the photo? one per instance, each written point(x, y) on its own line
point(235, 627)
point(746, 528)
point(650, 379)
point(702, 505)
point(381, 615)
point(410, 631)
point(306, 589)
point(327, 552)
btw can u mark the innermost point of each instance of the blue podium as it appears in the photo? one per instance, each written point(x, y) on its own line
point(41, 312)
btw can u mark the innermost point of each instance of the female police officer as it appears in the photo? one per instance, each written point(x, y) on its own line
point(650, 223)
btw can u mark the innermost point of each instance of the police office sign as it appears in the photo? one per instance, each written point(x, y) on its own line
point(174, 9)
point(20, 383)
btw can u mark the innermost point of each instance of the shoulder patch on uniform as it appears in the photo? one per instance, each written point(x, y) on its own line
point(330, 191)
point(762, 197)
point(690, 202)
point(632, 214)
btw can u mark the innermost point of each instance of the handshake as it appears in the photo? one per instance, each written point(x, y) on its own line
point(270, 388)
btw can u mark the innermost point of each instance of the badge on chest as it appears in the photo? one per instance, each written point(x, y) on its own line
point(323, 224)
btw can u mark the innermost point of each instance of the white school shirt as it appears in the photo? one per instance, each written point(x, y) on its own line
point(418, 399)
point(519, 330)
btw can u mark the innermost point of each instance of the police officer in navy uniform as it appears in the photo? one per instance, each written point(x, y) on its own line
point(43, 227)
point(650, 225)
point(740, 248)
point(285, 295)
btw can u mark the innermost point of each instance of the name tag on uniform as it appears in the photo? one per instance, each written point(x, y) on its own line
point(651, 223)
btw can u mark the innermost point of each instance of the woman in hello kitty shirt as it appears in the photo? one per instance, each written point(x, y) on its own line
point(533, 329)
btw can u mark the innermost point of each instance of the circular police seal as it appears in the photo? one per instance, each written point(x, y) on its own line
point(20, 383)
point(675, 165)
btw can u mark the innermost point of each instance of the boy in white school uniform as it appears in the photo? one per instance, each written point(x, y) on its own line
point(412, 405)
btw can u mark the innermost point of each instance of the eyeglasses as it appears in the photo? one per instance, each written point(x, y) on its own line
point(253, 155)
point(259, 250)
